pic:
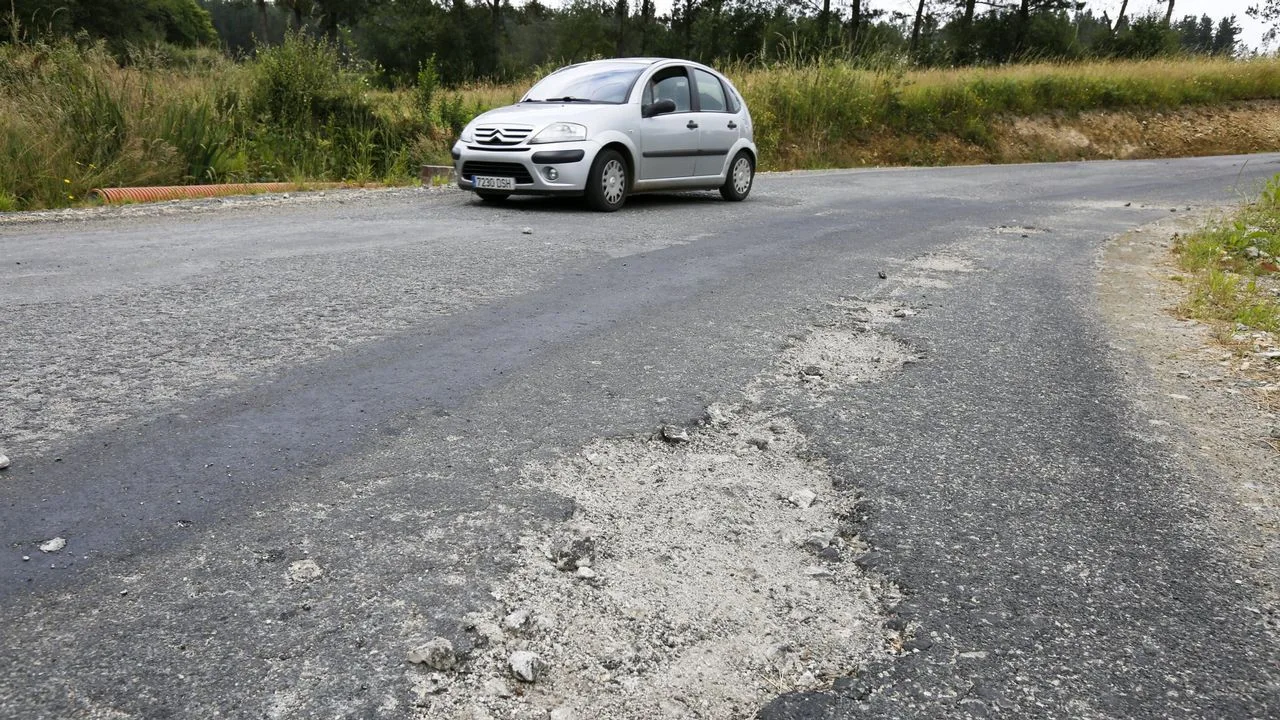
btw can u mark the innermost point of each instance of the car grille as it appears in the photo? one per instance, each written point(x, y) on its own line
point(471, 168)
point(502, 134)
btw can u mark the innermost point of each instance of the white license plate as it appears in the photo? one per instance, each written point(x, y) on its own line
point(494, 183)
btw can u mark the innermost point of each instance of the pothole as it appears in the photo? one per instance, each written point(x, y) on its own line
point(942, 263)
point(702, 576)
point(1019, 230)
point(844, 357)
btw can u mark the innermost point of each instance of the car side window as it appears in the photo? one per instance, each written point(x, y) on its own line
point(710, 92)
point(732, 96)
point(670, 84)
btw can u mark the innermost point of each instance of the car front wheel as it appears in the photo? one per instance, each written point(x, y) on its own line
point(607, 182)
point(742, 172)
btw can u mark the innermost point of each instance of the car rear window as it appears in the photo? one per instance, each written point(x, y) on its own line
point(710, 92)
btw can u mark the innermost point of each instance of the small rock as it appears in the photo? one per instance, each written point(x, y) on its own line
point(811, 371)
point(585, 573)
point(760, 444)
point(304, 570)
point(570, 553)
point(803, 498)
point(53, 545)
point(4, 461)
point(883, 275)
point(436, 654)
point(516, 619)
point(497, 688)
point(675, 434)
point(1251, 252)
point(717, 416)
point(527, 231)
point(525, 665)
point(918, 644)
point(903, 312)
point(26, 558)
point(816, 571)
point(819, 541)
point(561, 713)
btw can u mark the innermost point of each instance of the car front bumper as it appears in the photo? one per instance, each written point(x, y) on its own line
point(528, 165)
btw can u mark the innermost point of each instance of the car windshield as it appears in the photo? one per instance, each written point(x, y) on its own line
point(592, 83)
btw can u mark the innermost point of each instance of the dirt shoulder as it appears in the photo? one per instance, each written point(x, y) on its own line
point(1214, 405)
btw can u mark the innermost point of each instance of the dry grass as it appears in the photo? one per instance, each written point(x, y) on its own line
point(72, 119)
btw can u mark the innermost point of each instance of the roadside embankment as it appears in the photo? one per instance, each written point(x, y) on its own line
point(1133, 134)
point(73, 118)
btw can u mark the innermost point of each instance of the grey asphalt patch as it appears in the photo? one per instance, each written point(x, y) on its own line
point(633, 320)
point(1052, 565)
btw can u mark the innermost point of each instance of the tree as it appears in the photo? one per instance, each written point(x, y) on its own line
point(1227, 37)
point(1268, 13)
point(119, 22)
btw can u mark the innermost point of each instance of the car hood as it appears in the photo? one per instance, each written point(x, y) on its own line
point(539, 114)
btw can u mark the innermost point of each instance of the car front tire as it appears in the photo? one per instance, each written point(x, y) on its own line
point(742, 174)
point(607, 181)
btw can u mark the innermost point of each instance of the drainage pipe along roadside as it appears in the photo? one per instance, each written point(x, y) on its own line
point(112, 196)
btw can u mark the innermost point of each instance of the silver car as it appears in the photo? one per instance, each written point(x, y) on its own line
point(610, 128)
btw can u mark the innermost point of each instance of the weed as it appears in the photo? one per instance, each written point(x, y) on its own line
point(1231, 264)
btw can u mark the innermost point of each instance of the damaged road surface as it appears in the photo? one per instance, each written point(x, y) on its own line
point(863, 446)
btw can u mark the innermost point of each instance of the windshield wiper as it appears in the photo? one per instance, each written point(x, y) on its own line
point(569, 98)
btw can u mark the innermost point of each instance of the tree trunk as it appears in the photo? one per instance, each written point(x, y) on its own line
point(915, 28)
point(855, 19)
point(824, 23)
point(966, 32)
point(1119, 16)
point(495, 21)
point(621, 10)
point(1168, 14)
point(646, 12)
point(262, 20)
point(1024, 24)
point(688, 27)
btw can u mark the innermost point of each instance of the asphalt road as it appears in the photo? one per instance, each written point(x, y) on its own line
point(195, 400)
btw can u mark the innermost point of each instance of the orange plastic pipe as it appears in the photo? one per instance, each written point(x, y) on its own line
point(176, 192)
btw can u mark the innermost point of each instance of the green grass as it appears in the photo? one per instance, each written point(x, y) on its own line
point(72, 118)
point(1232, 264)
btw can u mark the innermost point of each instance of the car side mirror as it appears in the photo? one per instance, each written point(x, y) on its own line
point(658, 108)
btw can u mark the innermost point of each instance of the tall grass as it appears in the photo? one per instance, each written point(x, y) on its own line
point(72, 118)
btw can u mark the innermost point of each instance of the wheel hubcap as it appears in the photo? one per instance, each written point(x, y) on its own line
point(614, 181)
point(742, 176)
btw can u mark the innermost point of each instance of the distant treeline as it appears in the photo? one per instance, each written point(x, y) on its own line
point(493, 39)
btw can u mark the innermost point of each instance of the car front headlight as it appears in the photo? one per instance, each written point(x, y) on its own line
point(560, 132)
point(466, 135)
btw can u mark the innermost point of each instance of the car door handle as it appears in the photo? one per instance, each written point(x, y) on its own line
point(733, 125)
point(692, 125)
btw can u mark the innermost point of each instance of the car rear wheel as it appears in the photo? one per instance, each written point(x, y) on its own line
point(607, 182)
point(492, 197)
point(742, 173)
